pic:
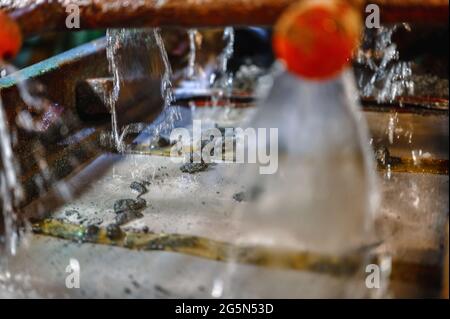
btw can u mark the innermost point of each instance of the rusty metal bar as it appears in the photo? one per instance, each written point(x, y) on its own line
point(51, 15)
point(81, 98)
point(73, 66)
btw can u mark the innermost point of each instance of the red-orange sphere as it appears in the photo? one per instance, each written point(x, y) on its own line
point(10, 37)
point(316, 38)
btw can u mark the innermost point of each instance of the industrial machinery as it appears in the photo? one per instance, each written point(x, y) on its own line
point(92, 174)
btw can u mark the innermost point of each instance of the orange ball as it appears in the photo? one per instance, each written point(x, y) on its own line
point(316, 38)
point(10, 37)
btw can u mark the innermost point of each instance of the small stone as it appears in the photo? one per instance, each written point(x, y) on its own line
point(192, 168)
point(251, 195)
point(122, 205)
point(135, 284)
point(72, 215)
point(71, 212)
point(162, 290)
point(139, 187)
point(240, 197)
point(113, 231)
point(125, 217)
point(383, 156)
point(91, 232)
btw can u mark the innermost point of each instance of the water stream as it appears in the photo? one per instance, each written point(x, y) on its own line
point(138, 54)
point(222, 80)
point(10, 190)
point(191, 72)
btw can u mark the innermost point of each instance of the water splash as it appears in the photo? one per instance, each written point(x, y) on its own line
point(385, 77)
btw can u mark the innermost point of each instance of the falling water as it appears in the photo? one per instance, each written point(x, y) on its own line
point(113, 38)
point(229, 36)
point(170, 114)
point(133, 54)
point(166, 83)
point(192, 33)
point(10, 188)
point(222, 82)
point(37, 116)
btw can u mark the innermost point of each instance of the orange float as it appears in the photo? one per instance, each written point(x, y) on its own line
point(10, 37)
point(316, 38)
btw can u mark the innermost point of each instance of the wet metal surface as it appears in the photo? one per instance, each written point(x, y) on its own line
point(410, 221)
